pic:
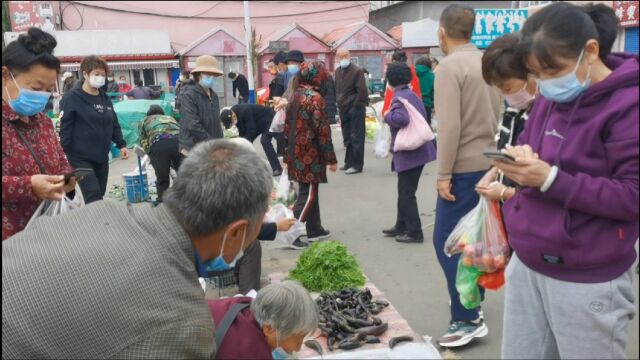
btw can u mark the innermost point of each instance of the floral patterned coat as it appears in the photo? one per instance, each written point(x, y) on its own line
point(18, 164)
point(310, 147)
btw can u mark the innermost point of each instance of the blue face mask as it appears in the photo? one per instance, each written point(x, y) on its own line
point(565, 88)
point(208, 81)
point(279, 354)
point(28, 102)
point(344, 63)
point(293, 69)
point(218, 263)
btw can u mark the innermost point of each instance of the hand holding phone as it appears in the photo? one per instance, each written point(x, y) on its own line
point(78, 173)
point(499, 156)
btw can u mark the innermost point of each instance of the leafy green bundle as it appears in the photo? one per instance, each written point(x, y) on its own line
point(327, 266)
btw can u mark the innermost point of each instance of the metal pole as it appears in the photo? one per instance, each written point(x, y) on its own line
point(247, 39)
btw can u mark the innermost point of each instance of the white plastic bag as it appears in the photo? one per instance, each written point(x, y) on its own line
point(57, 207)
point(285, 238)
point(382, 141)
point(286, 191)
point(277, 124)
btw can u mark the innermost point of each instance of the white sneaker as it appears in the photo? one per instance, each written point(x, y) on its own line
point(461, 333)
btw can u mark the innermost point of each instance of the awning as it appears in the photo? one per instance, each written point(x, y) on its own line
point(128, 65)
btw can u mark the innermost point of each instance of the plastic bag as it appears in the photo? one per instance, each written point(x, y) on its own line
point(286, 238)
point(481, 238)
point(492, 281)
point(277, 124)
point(285, 192)
point(382, 142)
point(466, 284)
point(414, 135)
point(57, 207)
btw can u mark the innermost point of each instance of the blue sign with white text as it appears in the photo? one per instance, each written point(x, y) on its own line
point(493, 23)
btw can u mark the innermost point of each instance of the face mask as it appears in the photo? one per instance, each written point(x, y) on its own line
point(96, 81)
point(218, 263)
point(344, 63)
point(521, 99)
point(182, 78)
point(293, 69)
point(208, 81)
point(121, 82)
point(28, 102)
point(565, 88)
point(110, 79)
point(278, 353)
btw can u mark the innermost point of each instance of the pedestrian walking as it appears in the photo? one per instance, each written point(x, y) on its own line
point(408, 164)
point(122, 279)
point(468, 111)
point(185, 76)
point(310, 149)
point(427, 80)
point(88, 125)
point(199, 105)
point(573, 223)
point(241, 86)
point(159, 139)
point(33, 163)
point(252, 121)
point(141, 92)
point(277, 87)
point(352, 96)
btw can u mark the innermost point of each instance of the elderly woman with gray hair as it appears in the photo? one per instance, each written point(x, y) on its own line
point(271, 326)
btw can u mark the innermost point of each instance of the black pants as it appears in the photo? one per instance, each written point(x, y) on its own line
point(281, 143)
point(429, 110)
point(164, 154)
point(249, 268)
point(93, 186)
point(408, 216)
point(307, 208)
point(353, 134)
point(267, 146)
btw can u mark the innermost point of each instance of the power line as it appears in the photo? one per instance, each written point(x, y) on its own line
point(214, 17)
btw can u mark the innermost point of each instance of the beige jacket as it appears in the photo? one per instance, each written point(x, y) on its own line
point(468, 112)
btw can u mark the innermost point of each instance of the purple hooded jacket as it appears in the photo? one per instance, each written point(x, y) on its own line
point(397, 118)
point(584, 228)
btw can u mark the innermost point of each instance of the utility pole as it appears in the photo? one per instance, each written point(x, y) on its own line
point(247, 40)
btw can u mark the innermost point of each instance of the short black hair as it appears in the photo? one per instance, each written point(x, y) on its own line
point(399, 56)
point(92, 62)
point(137, 82)
point(561, 30)
point(155, 110)
point(501, 61)
point(424, 60)
point(225, 118)
point(231, 75)
point(186, 73)
point(279, 57)
point(364, 70)
point(458, 21)
point(398, 73)
point(33, 48)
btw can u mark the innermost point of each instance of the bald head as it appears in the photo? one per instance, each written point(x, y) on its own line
point(342, 53)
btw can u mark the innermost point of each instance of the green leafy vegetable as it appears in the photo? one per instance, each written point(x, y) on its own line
point(327, 266)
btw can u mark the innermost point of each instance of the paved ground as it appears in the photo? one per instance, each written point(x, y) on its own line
point(356, 208)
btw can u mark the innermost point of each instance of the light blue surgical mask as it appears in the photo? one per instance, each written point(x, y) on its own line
point(218, 263)
point(278, 353)
point(344, 63)
point(28, 102)
point(565, 88)
point(293, 69)
point(208, 81)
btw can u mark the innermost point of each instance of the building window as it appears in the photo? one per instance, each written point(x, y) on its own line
point(149, 76)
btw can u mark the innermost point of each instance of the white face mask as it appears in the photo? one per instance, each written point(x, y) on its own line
point(96, 81)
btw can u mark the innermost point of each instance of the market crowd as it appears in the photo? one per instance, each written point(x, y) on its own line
point(119, 280)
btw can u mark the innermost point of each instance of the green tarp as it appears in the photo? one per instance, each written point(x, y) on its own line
point(132, 112)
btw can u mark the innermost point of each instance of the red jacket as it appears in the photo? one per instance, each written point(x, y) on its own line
point(415, 86)
point(18, 201)
point(245, 339)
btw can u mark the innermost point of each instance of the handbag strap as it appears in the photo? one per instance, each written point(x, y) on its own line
point(29, 147)
point(227, 320)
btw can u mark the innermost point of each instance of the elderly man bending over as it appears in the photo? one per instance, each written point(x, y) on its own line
point(116, 280)
point(272, 326)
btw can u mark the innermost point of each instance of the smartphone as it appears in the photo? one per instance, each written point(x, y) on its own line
point(499, 156)
point(81, 172)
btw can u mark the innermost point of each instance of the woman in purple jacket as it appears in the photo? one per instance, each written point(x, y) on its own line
point(408, 164)
point(573, 221)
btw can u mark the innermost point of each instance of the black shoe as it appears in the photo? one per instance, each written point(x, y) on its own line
point(394, 231)
point(325, 234)
point(277, 173)
point(404, 238)
point(298, 244)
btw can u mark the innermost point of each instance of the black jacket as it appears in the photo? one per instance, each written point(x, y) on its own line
point(88, 125)
point(199, 116)
point(351, 88)
point(276, 86)
point(330, 99)
point(253, 120)
point(268, 231)
point(242, 86)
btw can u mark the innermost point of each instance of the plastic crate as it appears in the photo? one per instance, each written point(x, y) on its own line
point(135, 190)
